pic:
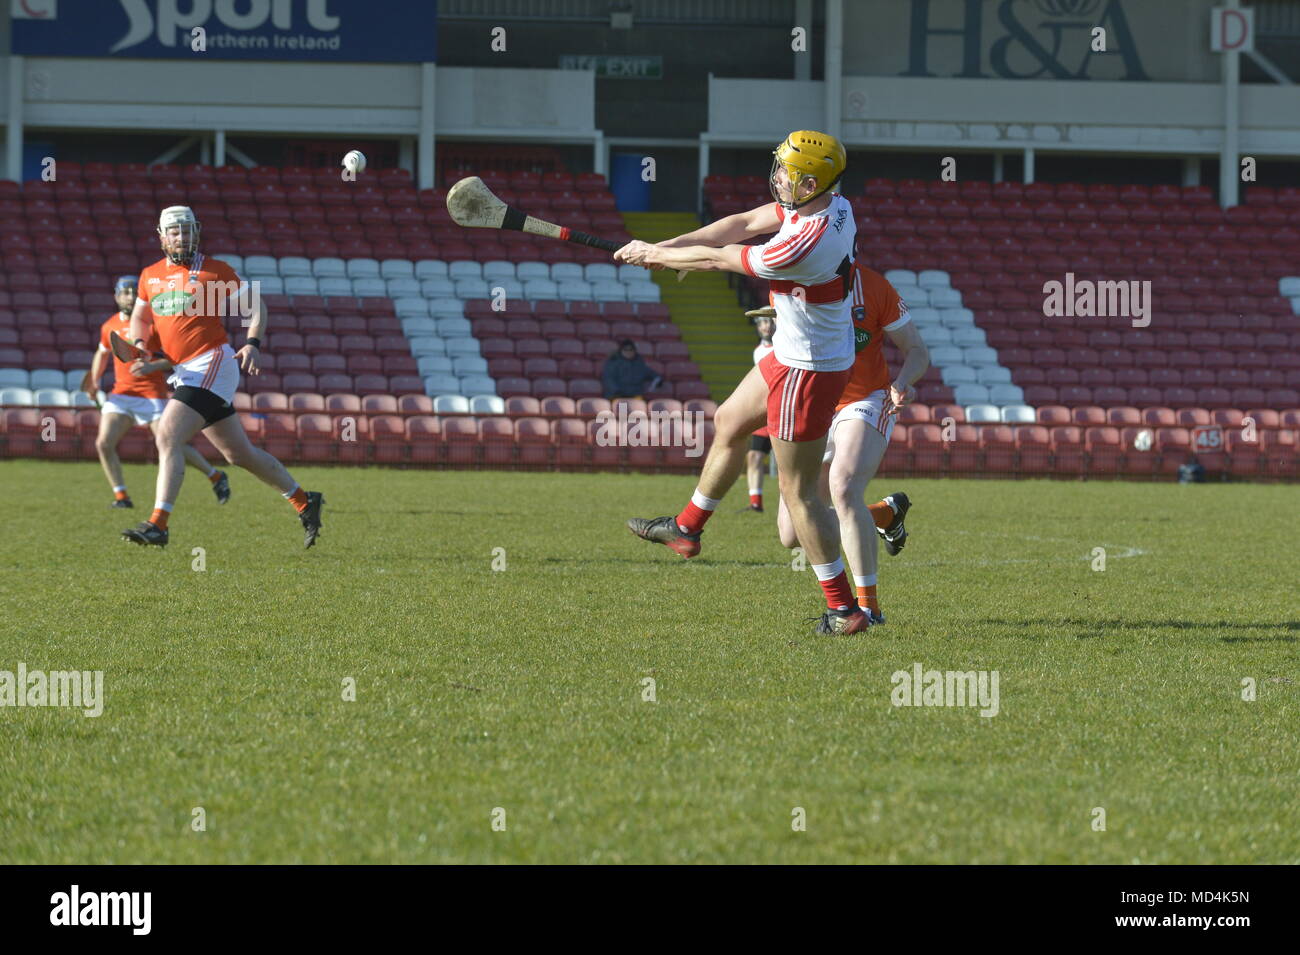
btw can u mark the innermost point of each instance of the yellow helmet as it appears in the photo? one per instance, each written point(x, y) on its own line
point(807, 154)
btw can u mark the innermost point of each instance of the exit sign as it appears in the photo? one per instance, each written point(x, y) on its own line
point(617, 67)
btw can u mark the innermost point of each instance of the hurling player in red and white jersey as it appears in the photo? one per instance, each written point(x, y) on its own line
point(795, 389)
point(760, 445)
point(864, 422)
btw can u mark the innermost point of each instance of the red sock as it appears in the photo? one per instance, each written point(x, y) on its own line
point(158, 518)
point(756, 500)
point(693, 518)
point(299, 500)
point(839, 593)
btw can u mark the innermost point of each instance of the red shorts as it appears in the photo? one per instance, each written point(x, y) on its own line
point(762, 432)
point(801, 404)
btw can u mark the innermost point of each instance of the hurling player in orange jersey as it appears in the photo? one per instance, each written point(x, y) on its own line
point(183, 297)
point(860, 431)
point(135, 399)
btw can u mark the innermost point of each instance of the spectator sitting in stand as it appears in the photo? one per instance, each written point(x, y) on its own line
point(626, 373)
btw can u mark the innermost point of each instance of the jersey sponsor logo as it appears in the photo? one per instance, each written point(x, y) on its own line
point(861, 337)
point(171, 303)
point(839, 220)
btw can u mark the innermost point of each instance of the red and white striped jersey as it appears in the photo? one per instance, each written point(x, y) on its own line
point(809, 265)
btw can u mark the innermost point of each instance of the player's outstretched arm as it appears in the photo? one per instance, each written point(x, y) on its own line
point(730, 229)
point(691, 258)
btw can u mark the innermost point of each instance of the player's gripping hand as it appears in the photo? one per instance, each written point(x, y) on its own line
point(635, 252)
point(248, 356)
point(900, 398)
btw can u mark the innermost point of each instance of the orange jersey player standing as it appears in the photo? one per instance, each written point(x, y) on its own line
point(183, 298)
point(860, 431)
point(136, 399)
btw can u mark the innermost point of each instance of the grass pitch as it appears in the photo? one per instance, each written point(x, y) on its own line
point(521, 689)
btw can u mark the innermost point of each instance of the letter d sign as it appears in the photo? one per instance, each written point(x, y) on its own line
point(1232, 30)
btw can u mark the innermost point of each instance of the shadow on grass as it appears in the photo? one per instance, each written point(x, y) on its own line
point(1103, 628)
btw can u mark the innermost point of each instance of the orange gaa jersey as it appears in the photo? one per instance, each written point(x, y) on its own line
point(877, 308)
point(125, 383)
point(189, 304)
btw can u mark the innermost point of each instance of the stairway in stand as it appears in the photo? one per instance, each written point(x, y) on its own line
point(703, 306)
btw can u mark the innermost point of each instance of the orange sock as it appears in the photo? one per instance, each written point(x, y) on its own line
point(298, 499)
point(120, 495)
point(881, 513)
point(867, 597)
point(158, 518)
point(215, 476)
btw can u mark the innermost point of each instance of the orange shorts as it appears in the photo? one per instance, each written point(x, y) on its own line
point(800, 404)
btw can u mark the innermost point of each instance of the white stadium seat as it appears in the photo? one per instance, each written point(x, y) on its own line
point(525, 271)
point(945, 298)
point(574, 290)
point(464, 345)
point(642, 292)
point(609, 291)
point(934, 278)
point(423, 345)
point(437, 288)
point(301, 285)
point(52, 398)
point(441, 385)
point(983, 414)
point(370, 288)
point(430, 269)
point(45, 378)
point(954, 375)
point(970, 395)
point(80, 399)
point(464, 269)
point(968, 335)
point(487, 404)
point(419, 326)
point(236, 262)
point(467, 365)
point(566, 271)
point(980, 355)
point(956, 317)
point(1289, 287)
point(72, 379)
point(294, 265)
point(328, 268)
point(269, 284)
point(924, 315)
point(913, 295)
point(600, 272)
point(498, 269)
point(934, 335)
point(453, 327)
point(477, 385)
point(451, 404)
point(897, 277)
point(633, 273)
point(396, 269)
point(256, 266)
point(335, 286)
point(1007, 395)
point(430, 365)
point(401, 288)
point(993, 375)
point(541, 289)
point(19, 378)
point(946, 355)
point(441, 308)
point(411, 306)
point(1018, 414)
point(363, 268)
point(15, 396)
point(511, 288)
point(472, 288)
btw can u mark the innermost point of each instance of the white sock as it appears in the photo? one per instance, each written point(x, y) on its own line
point(704, 503)
point(291, 492)
point(829, 571)
point(755, 492)
point(119, 488)
point(163, 506)
point(864, 580)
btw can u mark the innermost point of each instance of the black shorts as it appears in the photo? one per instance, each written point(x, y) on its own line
point(762, 445)
point(212, 406)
